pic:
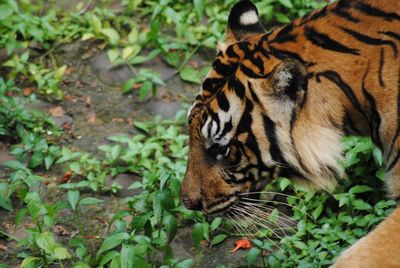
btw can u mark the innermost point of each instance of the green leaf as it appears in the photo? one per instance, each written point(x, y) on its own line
point(90, 201)
point(112, 241)
point(30, 262)
point(215, 223)
point(283, 183)
point(145, 89)
point(5, 11)
point(46, 242)
point(360, 189)
point(189, 74)
point(199, 8)
point(197, 234)
point(317, 212)
point(185, 263)
point(252, 255)
point(35, 160)
point(73, 198)
point(16, 165)
point(96, 24)
point(171, 227)
point(112, 35)
point(61, 253)
point(127, 256)
point(218, 239)
point(59, 73)
point(286, 3)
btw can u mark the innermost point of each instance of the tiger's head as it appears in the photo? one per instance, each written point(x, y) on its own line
point(240, 124)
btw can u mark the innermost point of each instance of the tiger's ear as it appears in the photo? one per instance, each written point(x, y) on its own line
point(243, 21)
point(287, 82)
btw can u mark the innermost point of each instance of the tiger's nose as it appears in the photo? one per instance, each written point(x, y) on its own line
point(192, 204)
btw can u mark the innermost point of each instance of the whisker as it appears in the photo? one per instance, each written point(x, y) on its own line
point(277, 202)
point(271, 209)
point(256, 220)
point(270, 192)
point(282, 221)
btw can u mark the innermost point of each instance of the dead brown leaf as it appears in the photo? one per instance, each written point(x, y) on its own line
point(70, 98)
point(58, 229)
point(27, 91)
point(88, 101)
point(91, 118)
point(118, 120)
point(3, 247)
point(57, 111)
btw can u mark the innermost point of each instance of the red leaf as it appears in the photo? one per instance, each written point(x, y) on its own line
point(241, 244)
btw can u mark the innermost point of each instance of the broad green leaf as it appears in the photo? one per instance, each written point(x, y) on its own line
point(30, 262)
point(171, 227)
point(59, 73)
point(16, 165)
point(360, 189)
point(286, 3)
point(218, 239)
point(215, 223)
point(73, 198)
point(5, 11)
point(89, 201)
point(61, 253)
point(46, 242)
point(112, 35)
point(197, 234)
point(252, 255)
point(96, 24)
point(112, 241)
point(127, 256)
point(317, 212)
point(189, 74)
point(185, 263)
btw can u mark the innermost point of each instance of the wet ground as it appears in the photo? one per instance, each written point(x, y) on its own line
point(93, 109)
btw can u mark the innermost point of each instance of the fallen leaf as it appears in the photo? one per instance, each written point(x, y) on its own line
point(90, 236)
point(69, 70)
point(118, 120)
point(88, 101)
point(6, 226)
point(241, 244)
point(27, 91)
point(91, 118)
point(3, 247)
point(58, 229)
point(137, 86)
point(102, 221)
point(57, 111)
point(193, 63)
point(70, 98)
point(204, 243)
point(67, 176)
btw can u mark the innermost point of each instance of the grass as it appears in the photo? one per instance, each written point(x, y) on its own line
point(142, 231)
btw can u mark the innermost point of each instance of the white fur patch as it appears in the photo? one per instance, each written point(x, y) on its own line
point(248, 18)
point(284, 78)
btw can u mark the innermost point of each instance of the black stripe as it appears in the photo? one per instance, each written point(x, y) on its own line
point(236, 86)
point(214, 117)
point(375, 121)
point(275, 151)
point(347, 90)
point(349, 126)
point(230, 52)
point(293, 118)
point(376, 12)
point(284, 54)
point(213, 84)
point(370, 40)
point(391, 34)
point(314, 15)
point(398, 117)
point(284, 31)
point(394, 162)
point(223, 102)
point(324, 41)
point(252, 93)
point(291, 37)
point(227, 127)
point(258, 61)
point(345, 14)
point(381, 63)
point(249, 72)
point(224, 69)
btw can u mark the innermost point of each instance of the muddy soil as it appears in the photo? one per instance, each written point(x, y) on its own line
point(93, 109)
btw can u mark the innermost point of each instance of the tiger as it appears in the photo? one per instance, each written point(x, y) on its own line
point(277, 104)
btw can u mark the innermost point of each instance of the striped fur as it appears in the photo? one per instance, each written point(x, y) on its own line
point(278, 104)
